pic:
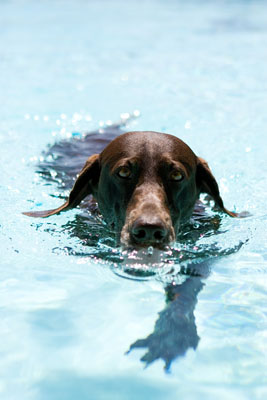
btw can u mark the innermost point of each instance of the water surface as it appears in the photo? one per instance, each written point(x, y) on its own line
point(72, 304)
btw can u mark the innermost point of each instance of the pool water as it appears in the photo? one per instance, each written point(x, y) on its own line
point(79, 317)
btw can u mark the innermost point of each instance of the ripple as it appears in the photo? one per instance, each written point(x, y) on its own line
point(88, 237)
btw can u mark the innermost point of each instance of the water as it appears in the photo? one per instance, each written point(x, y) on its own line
point(71, 304)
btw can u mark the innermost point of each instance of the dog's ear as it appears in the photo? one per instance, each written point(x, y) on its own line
point(86, 181)
point(207, 184)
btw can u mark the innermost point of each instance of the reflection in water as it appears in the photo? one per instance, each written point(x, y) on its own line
point(181, 268)
point(175, 330)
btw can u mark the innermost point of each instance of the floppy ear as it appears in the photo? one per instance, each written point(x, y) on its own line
point(207, 184)
point(87, 179)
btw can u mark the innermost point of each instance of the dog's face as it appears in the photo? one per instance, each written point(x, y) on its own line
point(146, 184)
point(147, 187)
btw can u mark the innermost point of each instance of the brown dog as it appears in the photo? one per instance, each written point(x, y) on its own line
point(146, 185)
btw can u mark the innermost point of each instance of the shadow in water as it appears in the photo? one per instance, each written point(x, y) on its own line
point(175, 330)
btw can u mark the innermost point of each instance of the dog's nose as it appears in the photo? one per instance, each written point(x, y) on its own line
point(148, 232)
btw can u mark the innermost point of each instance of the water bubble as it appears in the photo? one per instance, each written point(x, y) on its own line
point(150, 250)
point(77, 117)
point(187, 125)
point(136, 113)
point(125, 116)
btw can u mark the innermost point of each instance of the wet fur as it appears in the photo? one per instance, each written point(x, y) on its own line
point(148, 208)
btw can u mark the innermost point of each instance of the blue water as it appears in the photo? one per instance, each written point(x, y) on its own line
point(68, 316)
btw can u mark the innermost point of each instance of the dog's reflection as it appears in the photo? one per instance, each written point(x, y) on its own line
point(175, 330)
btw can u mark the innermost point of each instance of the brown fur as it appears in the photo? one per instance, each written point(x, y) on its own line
point(148, 206)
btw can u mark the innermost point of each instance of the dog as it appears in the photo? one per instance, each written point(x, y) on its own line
point(147, 185)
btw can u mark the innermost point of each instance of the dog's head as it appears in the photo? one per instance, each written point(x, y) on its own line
point(146, 184)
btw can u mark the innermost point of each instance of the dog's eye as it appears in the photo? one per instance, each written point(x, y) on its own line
point(176, 176)
point(124, 172)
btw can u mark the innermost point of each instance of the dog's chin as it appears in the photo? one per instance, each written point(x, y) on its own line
point(145, 246)
point(127, 244)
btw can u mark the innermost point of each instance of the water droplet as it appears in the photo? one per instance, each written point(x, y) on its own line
point(77, 117)
point(125, 116)
point(150, 250)
point(187, 125)
point(136, 113)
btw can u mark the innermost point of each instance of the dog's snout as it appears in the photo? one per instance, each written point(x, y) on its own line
point(143, 232)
